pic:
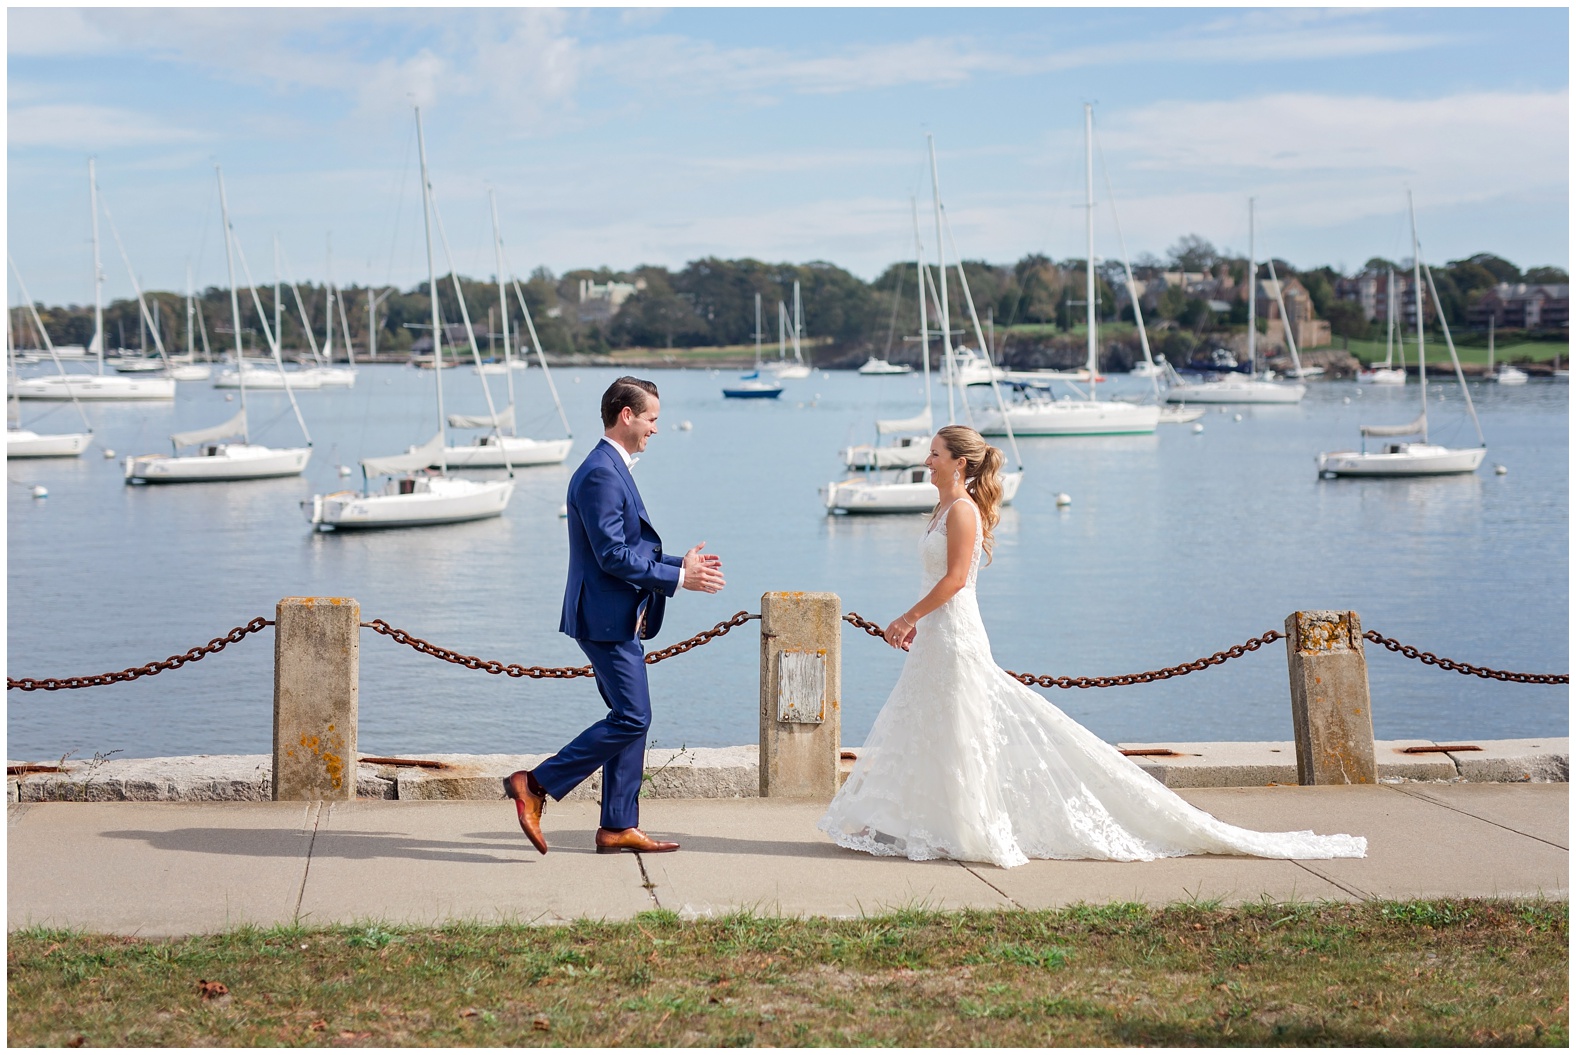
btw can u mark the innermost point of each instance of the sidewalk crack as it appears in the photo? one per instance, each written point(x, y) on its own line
point(645, 881)
point(317, 819)
point(1004, 895)
point(1361, 895)
point(1476, 817)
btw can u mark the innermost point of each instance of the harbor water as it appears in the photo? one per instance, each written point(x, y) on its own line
point(1174, 546)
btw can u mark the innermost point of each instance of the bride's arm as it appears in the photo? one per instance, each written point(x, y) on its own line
point(961, 526)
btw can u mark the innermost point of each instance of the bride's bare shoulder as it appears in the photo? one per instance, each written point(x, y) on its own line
point(962, 515)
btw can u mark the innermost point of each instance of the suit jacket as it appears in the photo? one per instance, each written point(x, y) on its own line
point(617, 571)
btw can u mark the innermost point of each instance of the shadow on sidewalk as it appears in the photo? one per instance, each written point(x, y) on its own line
point(350, 845)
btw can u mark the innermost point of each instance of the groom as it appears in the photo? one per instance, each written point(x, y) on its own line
point(619, 581)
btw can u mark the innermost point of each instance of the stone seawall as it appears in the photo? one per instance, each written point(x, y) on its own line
point(733, 772)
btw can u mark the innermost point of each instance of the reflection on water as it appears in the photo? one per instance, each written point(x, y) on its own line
point(1176, 545)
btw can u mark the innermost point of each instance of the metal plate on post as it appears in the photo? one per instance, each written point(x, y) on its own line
point(801, 686)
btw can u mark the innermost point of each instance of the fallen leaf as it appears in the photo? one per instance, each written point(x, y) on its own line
point(542, 1023)
point(350, 1034)
point(469, 1012)
point(211, 990)
point(318, 1026)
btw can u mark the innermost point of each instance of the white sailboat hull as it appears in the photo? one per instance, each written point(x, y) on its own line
point(1234, 391)
point(911, 493)
point(191, 371)
point(1071, 417)
point(267, 380)
point(1381, 376)
point(788, 371)
point(95, 387)
point(327, 376)
point(434, 500)
point(520, 451)
point(1179, 415)
point(223, 461)
point(24, 443)
point(1402, 459)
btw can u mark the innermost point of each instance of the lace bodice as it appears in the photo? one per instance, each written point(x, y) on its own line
point(933, 548)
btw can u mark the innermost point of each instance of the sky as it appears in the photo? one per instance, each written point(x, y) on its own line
point(615, 138)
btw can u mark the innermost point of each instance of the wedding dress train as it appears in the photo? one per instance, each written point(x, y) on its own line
point(965, 763)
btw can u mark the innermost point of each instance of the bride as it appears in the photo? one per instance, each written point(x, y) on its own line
point(964, 762)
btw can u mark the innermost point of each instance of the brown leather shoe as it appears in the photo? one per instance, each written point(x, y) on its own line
point(630, 840)
point(528, 805)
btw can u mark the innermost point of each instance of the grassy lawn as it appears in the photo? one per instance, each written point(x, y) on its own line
point(1393, 973)
point(1471, 349)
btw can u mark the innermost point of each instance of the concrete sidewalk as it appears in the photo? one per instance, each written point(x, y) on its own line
point(158, 869)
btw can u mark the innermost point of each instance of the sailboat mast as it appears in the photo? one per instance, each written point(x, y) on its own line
point(798, 322)
point(1417, 304)
point(924, 321)
point(98, 269)
point(941, 257)
point(757, 326)
point(235, 302)
point(503, 302)
point(279, 332)
point(1253, 300)
point(432, 291)
point(1389, 320)
point(1093, 341)
point(191, 340)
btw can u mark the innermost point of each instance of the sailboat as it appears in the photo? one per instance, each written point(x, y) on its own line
point(1036, 415)
point(1234, 388)
point(187, 368)
point(753, 385)
point(100, 386)
point(785, 369)
point(1418, 458)
point(502, 448)
point(25, 443)
point(415, 497)
point(1387, 374)
point(327, 374)
point(909, 490)
point(218, 461)
point(1506, 374)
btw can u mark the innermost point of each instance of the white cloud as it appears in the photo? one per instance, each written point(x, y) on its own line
point(86, 127)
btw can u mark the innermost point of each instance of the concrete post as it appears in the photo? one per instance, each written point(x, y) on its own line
point(317, 664)
point(801, 694)
point(1330, 713)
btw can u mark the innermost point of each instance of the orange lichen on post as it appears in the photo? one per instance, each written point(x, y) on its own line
point(316, 670)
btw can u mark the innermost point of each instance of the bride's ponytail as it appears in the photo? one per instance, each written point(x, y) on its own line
point(983, 473)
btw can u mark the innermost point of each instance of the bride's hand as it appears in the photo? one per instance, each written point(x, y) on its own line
point(899, 633)
point(908, 639)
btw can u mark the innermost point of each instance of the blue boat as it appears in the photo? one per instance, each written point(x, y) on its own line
point(752, 386)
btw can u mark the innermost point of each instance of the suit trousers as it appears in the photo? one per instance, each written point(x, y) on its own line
point(617, 743)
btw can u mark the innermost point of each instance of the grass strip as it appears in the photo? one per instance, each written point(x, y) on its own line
point(1376, 973)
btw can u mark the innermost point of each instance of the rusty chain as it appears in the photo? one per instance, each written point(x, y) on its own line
point(1464, 668)
point(191, 655)
point(1253, 644)
point(515, 670)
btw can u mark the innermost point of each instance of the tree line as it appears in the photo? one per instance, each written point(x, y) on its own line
point(711, 302)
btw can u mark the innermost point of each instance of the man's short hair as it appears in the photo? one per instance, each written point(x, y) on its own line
point(628, 392)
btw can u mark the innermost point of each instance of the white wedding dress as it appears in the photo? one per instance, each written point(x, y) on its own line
point(964, 762)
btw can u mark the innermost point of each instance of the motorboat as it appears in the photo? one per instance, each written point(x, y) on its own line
point(753, 386)
point(875, 367)
point(1509, 375)
point(1177, 414)
point(1380, 375)
point(971, 366)
point(1417, 457)
point(1147, 368)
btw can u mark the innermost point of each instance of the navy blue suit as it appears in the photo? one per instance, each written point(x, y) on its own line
point(619, 581)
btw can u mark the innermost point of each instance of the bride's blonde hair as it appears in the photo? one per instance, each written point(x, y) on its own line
point(981, 473)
